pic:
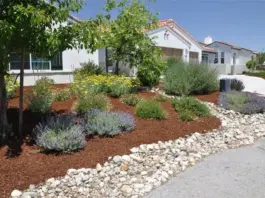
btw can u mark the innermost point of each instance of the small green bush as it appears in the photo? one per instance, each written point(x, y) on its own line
point(61, 94)
point(184, 79)
point(117, 90)
point(59, 134)
point(237, 85)
point(191, 105)
point(92, 101)
point(160, 98)
point(40, 98)
point(130, 99)
point(88, 68)
point(150, 109)
point(186, 116)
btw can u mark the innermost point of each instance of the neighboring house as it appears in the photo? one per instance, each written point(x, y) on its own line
point(60, 68)
point(173, 40)
point(229, 59)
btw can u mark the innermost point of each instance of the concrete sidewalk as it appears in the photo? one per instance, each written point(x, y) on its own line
point(236, 173)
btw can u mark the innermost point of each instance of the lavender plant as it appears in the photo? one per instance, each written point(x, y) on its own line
point(59, 134)
point(245, 103)
point(108, 123)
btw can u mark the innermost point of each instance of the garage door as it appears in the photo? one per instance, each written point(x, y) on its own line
point(172, 52)
point(194, 57)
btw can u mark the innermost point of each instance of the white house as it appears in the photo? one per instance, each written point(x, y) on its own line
point(228, 58)
point(60, 68)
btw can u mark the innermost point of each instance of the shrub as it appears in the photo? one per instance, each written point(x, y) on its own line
point(108, 123)
point(245, 103)
point(11, 85)
point(160, 98)
point(149, 72)
point(251, 64)
point(186, 116)
point(59, 134)
point(92, 101)
point(130, 99)
point(39, 99)
point(102, 84)
point(191, 105)
point(257, 74)
point(88, 68)
point(150, 109)
point(117, 90)
point(237, 85)
point(61, 94)
point(185, 79)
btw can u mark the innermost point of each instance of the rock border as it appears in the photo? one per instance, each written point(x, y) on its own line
point(149, 166)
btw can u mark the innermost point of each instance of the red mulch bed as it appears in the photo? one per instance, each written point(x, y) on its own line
point(31, 167)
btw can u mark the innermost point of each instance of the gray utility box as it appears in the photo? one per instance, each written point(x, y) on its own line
point(225, 85)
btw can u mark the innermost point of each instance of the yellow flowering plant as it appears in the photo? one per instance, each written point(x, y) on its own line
point(11, 85)
point(83, 85)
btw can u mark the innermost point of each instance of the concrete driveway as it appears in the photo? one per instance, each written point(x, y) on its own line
point(236, 173)
point(252, 84)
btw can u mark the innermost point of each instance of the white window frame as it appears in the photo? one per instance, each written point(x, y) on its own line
point(222, 58)
point(216, 57)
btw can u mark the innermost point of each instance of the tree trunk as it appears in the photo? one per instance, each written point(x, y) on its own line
point(21, 92)
point(3, 109)
point(117, 68)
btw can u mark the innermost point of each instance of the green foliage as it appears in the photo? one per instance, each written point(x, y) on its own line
point(40, 98)
point(11, 85)
point(251, 64)
point(185, 79)
point(237, 85)
point(130, 99)
point(189, 106)
point(117, 90)
point(62, 94)
point(236, 101)
point(60, 134)
point(92, 101)
point(88, 68)
point(150, 109)
point(257, 74)
point(160, 98)
point(261, 58)
point(151, 69)
point(186, 116)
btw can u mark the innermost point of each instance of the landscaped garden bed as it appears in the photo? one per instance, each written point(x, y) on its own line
point(32, 167)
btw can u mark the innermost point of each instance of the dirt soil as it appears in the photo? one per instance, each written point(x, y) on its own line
point(32, 167)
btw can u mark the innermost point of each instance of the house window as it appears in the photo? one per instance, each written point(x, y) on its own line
point(222, 57)
point(57, 62)
point(40, 63)
point(234, 58)
point(216, 58)
point(15, 61)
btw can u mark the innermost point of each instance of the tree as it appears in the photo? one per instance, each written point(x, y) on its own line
point(261, 58)
point(127, 39)
point(43, 28)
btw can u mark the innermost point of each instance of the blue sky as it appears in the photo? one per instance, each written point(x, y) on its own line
point(240, 22)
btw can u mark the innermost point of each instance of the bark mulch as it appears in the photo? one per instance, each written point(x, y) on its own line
point(32, 167)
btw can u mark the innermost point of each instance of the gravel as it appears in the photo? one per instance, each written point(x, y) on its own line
point(149, 166)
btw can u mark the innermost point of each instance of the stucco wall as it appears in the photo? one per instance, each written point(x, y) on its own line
point(73, 58)
point(223, 48)
point(59, 77)
point(172, 42)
